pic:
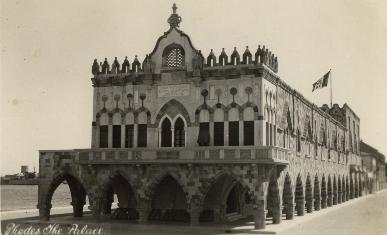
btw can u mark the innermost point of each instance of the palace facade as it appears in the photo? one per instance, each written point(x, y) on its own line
point(184, 137)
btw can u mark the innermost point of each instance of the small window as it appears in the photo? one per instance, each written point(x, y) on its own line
point(233, 133)
point(142, 135)
point(267, 134)
point(117, 136)
point(204, 134)
point(248, 132)
point(103, 136)
point(219, 133)
point(129, 133)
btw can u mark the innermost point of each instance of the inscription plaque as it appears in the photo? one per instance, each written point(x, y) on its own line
point(173, 90)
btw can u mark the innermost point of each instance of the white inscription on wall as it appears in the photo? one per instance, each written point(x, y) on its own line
point(173, 90)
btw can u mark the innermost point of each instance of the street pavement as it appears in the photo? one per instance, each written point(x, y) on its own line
point(368, 216)
point(362, 216)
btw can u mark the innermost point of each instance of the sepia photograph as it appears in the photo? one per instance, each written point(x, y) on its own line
point(193, 117)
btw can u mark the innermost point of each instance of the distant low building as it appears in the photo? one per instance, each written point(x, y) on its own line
point(375, 163)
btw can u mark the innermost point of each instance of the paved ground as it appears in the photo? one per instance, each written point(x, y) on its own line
point(366, 215)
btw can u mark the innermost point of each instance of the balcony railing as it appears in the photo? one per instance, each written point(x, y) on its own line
point(246, 154)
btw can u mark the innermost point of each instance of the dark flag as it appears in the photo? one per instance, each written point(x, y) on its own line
point(322, 82)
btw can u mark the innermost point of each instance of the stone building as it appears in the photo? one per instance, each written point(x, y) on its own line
point(183, 137)
point(374, 162)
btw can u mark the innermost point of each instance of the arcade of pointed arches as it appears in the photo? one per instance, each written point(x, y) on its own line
point(225, 195)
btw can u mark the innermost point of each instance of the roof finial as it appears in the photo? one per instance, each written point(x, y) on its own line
point(174, 20)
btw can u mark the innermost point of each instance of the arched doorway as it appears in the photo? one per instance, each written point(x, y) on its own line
point(119, 199)
point(166, 133)
point(179, 133)
point(58, 193)
point(169, 202)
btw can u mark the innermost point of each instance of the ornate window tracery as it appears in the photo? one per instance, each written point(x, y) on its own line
point(173, 56)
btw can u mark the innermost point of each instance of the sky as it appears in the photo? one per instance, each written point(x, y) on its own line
point(48, 46)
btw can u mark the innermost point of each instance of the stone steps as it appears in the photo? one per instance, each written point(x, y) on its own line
point(231, 217)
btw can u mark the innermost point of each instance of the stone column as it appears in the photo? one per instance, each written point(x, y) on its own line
point(95, 207)
point(241, 133)
point(276, 212)
point(77, 208)
point(211, 126)
point(300, 205)
point(226, 133)
point(173, 137)
point(217, 214)
point(110, 136)
point(259, 214)
point(123, 135)
point(44, 211)
point(143, 209)
point(135, 135)
point(194, 216)
point(143, 214)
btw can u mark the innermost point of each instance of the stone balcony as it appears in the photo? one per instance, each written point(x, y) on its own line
point(204, 155)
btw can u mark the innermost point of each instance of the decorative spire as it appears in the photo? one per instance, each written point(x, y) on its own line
point(174, 20)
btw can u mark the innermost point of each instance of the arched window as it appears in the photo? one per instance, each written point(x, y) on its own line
point(173, 56)
point(142, 130)
point(204, 128)
point(218, 127)
point(248, 126)
point(179, 133)
point(166, 133)
point(233, 127)
point(103, 130)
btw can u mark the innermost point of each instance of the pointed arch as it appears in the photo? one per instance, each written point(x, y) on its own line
point(180, 127)
point(220, 195)
point(150, 190)
point(77, 190)
point(117, 183)
point(173, 108)
point(142, 115)
point(200, 109)
point(253, 106)
point(165, 133)
point(168, 200)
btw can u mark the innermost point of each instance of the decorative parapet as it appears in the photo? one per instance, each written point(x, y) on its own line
point(200, 155)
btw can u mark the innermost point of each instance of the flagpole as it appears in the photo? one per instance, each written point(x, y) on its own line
point(331, 81)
